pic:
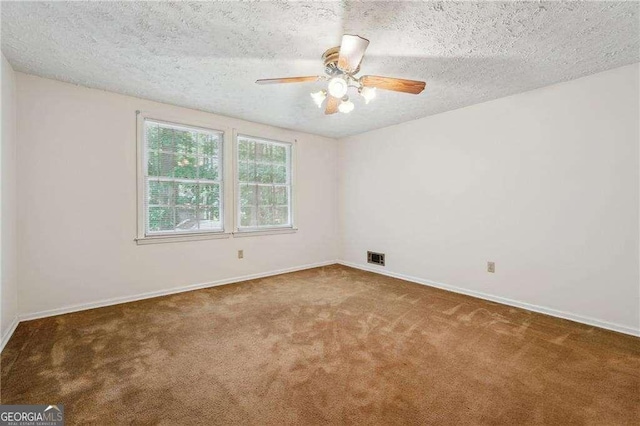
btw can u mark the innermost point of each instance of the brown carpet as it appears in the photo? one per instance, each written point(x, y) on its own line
point(330, 345)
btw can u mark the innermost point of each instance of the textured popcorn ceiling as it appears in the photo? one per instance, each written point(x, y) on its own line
point(208, 55)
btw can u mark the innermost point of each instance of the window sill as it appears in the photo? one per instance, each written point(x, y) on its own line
point(181, 238)
point(259, 232)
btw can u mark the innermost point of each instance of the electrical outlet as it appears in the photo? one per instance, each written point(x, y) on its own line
point(240, 254)
point(491, 267)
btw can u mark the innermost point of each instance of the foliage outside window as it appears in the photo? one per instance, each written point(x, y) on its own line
point(264, 183)
point(183, 179)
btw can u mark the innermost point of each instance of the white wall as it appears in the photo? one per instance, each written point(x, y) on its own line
point(77, 182)
point(544, 183)
point(8, 210)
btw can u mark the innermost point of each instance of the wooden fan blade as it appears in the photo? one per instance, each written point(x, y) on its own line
point(332, 105)
point(288, 80)
point(351, 52)
point(395, 84)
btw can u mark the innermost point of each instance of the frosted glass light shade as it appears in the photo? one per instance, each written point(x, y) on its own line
point(338, 87)
point(346, 107)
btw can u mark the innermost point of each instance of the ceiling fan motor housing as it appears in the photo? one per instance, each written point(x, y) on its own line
point(330, 60)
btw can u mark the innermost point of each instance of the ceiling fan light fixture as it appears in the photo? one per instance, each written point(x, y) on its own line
point(368, 93)
point(346, 106)
point(338, 87)
point(341, 64)
point(319, 97)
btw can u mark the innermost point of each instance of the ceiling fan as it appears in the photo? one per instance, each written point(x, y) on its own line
point(341, 64)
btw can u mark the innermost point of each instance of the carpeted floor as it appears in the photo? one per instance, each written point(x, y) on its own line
point(331, 345)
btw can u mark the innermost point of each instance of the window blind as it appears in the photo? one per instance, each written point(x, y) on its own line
point(183, 179)
point(264, 183)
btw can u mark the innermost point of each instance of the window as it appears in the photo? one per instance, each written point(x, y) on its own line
point(264, 176)
point(187, 182)
point(182, 179)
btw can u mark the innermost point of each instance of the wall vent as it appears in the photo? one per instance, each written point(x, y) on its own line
point(375, 258)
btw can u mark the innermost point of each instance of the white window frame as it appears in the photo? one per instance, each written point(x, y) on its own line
point(225, 198)
point(264, 230)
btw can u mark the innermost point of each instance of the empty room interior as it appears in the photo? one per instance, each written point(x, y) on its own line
point(312, 213)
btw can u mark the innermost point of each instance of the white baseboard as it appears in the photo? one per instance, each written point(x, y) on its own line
point(149, 295)
point(7, 335)
point(540, 309)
